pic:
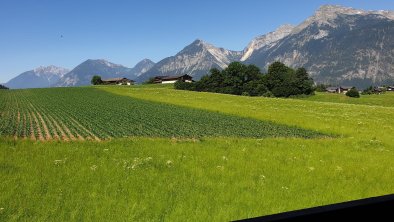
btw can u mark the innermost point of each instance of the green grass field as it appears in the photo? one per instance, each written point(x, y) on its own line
point(208, 178)
point(385, 99)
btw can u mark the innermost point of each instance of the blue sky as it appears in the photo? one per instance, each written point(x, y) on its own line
point(125, 32)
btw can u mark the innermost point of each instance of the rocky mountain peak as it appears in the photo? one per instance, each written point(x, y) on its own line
point(145, 61)
point(267, 40)
point(326, 15)
point(53, 70)
point(143, 66)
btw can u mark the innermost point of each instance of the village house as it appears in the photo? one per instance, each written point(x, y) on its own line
point(338, 89)
point(331, 89)
point(172, 79)
point(118, 81)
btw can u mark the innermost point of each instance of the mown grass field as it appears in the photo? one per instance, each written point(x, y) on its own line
point(209, 178)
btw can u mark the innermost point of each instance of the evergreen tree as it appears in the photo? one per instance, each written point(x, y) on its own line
point(303, 82)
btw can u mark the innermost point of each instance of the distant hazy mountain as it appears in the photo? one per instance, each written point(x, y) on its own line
point(40, 77)
point(195, 59)
point(337, 45)
point(83, 73)
point(142, 67)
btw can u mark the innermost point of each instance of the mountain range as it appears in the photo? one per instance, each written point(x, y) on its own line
point(337, 45)
point(38, 78)
point(195, 59)
point(83, 73)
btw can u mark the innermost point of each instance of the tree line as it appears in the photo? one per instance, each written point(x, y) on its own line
point(3, 87)
point(248, 80)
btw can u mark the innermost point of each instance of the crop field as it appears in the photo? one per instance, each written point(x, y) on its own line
point(213, 175)
point(88, 113)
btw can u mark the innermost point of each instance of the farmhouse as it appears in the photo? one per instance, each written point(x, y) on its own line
point(332, 89)
point(118, 81)
point(172, 79)
point(338, 89)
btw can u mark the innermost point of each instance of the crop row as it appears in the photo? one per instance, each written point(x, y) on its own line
point(88, 113)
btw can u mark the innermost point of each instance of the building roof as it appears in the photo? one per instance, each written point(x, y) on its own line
point(159, 77)
point(331, 88)
point(175, 77)
point(116, 79)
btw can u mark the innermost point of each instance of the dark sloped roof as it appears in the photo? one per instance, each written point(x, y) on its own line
point(175, 77)
point(331, 88)
point(116, 79)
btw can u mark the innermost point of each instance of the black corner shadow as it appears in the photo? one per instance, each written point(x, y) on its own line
point(369, 209)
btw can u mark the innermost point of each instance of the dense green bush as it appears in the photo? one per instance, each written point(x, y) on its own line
point(353, 92)
point(241, 79)
point(184, 85)
point(96, 80)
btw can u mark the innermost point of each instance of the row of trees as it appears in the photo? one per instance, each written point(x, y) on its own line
point(241, 79)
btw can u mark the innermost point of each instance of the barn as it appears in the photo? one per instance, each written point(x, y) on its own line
point(118, 81)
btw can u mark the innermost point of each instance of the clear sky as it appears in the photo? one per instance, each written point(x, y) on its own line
point(66, 33)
